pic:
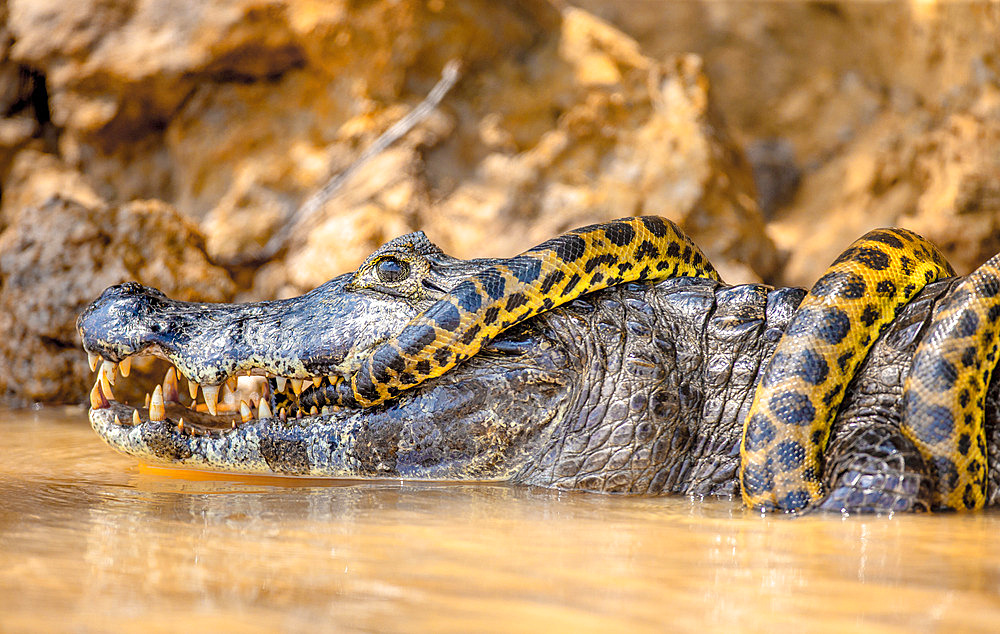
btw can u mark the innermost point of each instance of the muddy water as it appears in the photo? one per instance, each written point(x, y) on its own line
point(91, 541)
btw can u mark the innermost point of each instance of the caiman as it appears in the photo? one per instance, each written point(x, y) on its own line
point(608, 359)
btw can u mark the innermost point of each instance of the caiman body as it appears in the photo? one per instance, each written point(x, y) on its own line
point(640, 388)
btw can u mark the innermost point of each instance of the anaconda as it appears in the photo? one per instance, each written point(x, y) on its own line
point(338, 331)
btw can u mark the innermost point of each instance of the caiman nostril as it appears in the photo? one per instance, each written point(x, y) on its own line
point(135, 288)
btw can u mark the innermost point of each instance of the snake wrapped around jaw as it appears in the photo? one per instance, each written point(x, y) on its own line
point(557, 271)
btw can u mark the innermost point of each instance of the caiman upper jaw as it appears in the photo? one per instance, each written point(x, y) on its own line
point(238, 400)
point(228, 352)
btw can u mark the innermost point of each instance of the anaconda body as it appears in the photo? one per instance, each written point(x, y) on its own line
point(509, 292)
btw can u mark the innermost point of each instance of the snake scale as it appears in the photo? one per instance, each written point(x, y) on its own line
point(789, 421)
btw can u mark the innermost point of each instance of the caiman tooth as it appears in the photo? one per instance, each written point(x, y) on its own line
point(296, 386)
point(264, 411)
point(317, 381)
point(325, 410)
point(193, 390)
point(135, 417)
point(157, 411)
point(147, 400)
point(102, 378)
point(231, 383)
point(211, 394)
point(227, 399)
point(125, 367)
point(118, 421)
point(313, 410)
point(282, 414)
point(279, 382)
point(108, 370)
point(245, 413)
point(170, 393)
point(97, 399)
point(92, 359)
point(333, 378)
point(180, 425)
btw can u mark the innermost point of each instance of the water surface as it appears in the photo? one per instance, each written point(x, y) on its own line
point(91, 541)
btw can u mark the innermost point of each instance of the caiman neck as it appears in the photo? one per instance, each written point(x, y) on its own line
point(669, 377)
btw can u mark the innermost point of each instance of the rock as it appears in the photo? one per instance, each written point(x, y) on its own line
point(935, 175)
point(954, 179)
point(55, 259)
point(775, 173)
point(378, 207)
point(20, 93)
point(896, 129)
point(640, 140)
point(230, 103)
point(644, 145)
point(34, 178)
point(236, 111)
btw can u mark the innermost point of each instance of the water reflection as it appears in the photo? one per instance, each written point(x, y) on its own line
point(88, 539)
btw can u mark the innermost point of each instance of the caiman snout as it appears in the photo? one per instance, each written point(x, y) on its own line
point(123, 321)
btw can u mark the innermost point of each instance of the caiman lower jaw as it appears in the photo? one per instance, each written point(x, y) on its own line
point(254, 394)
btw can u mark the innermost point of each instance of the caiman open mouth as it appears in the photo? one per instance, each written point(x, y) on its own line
point(250, 394)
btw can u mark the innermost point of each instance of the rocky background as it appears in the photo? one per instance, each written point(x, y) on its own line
point(166, 141)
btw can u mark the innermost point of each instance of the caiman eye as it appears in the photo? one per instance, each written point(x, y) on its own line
point(392, 269)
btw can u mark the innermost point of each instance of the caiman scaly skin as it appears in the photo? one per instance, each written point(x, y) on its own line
point(639, 388)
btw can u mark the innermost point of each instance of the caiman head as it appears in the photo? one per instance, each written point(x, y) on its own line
point(266, 373)
point(316, 336)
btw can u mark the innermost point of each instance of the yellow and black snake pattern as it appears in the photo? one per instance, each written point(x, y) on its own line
point(831, 332)
point(944, 392)
point(543, 277)
point(801, 388)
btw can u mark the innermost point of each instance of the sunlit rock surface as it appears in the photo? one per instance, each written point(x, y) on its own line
point(892, 111)
point(236, 111)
